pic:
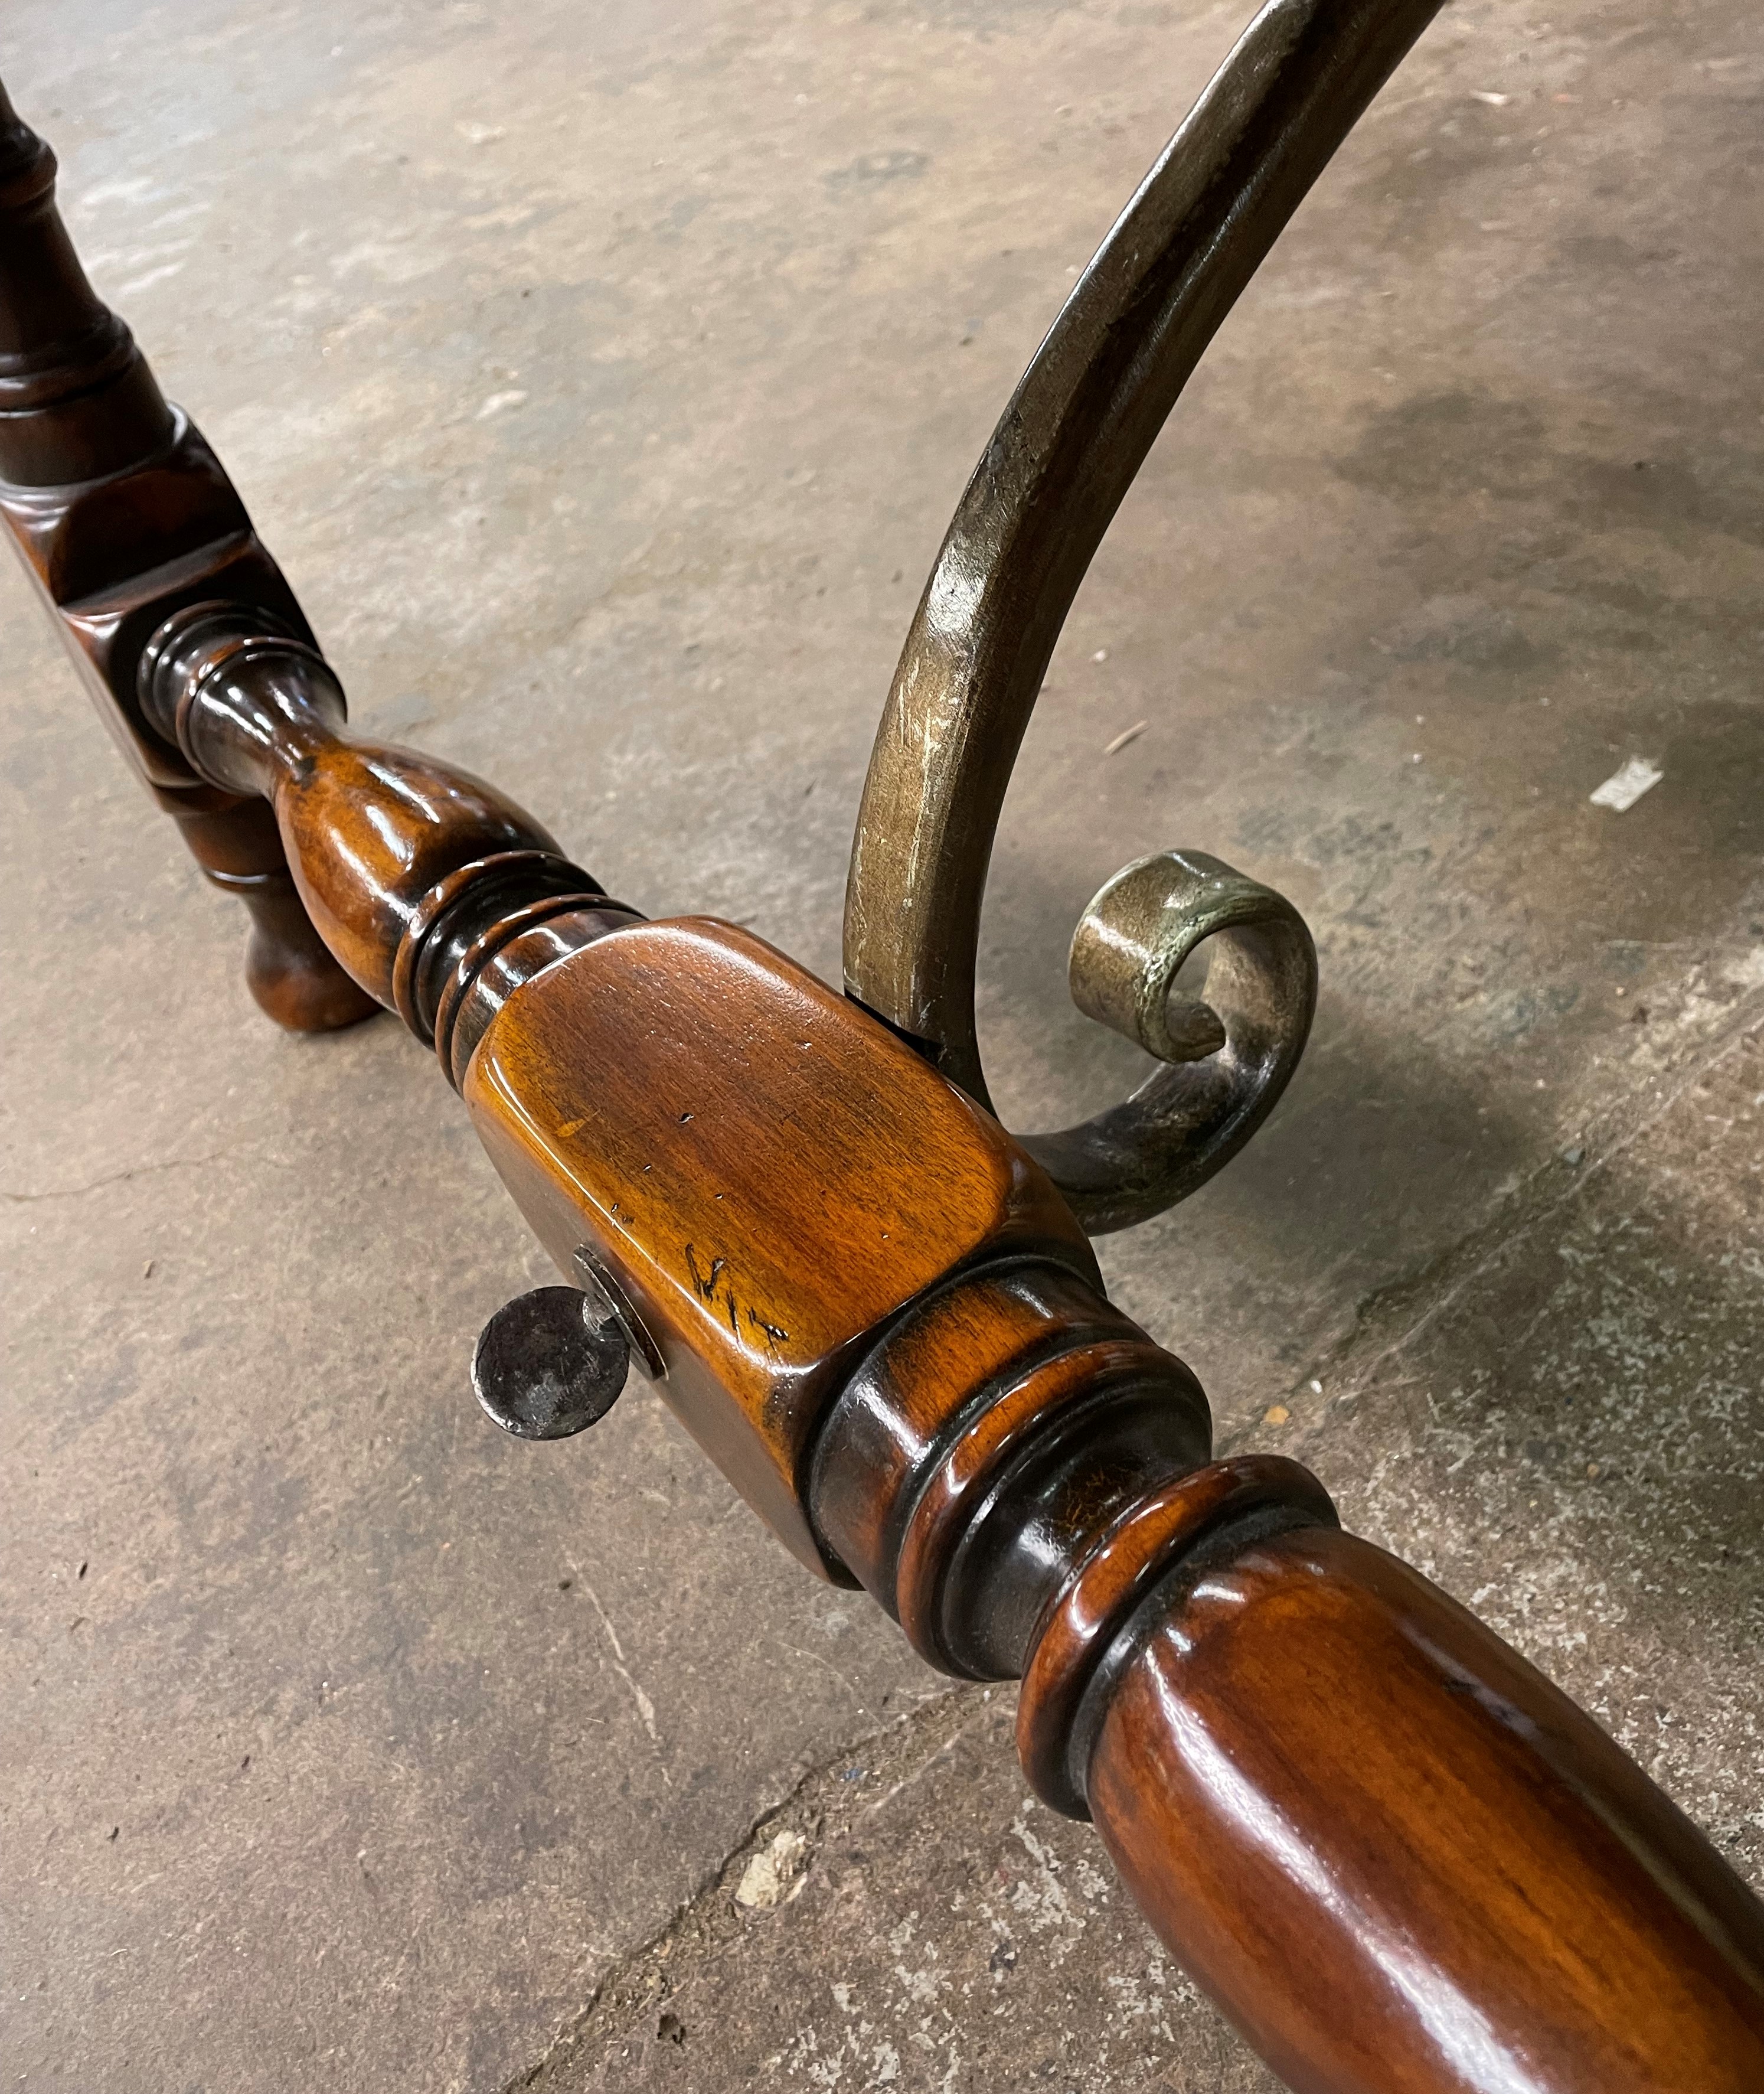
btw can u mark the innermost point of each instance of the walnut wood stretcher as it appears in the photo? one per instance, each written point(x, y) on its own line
point(1399, 1859)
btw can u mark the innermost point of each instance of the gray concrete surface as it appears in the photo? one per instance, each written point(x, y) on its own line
point(603, 379)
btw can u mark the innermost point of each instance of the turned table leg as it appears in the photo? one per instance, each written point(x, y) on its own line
point(288, 968)
point(122, 515)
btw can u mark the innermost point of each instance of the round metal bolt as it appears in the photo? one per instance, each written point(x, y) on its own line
point(546, 1364)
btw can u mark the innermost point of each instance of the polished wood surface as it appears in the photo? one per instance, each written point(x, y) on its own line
point(370, 830)
point(1401, 1860)
point(1398, 1857)
point(121, 512)
point(992, 1429)
point(77, 402)
point(768, 1175)
point(289, 970)
point(418, 877)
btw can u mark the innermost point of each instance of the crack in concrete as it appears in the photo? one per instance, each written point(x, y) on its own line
point(826, 1800)
point(118, 1178)
point(646, 1709)
point(1545, 1193)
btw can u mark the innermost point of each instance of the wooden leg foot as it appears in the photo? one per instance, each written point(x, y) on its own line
point(289, 969)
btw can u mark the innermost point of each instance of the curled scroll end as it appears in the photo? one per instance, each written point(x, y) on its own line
point(1133, 939)
point(1226, 1059)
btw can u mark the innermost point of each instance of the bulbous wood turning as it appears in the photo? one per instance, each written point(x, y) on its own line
point(289, 970)
point(423, 882)
point(1399, 1859)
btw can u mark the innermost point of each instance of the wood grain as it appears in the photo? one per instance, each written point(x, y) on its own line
point(770, 1175)
point(1401, 1860)
point(120, 513)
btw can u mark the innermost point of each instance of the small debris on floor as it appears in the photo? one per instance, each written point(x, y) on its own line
point(775, 1874)
point(1276, 1413)
point(1626, 785)
point(1128, 734)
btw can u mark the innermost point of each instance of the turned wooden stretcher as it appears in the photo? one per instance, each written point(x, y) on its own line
point(1396, 1855)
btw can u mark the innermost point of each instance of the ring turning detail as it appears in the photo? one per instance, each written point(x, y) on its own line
point(1063, 454)
point(1393, 1854)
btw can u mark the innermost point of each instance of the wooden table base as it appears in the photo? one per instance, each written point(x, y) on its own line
point(1400, 1860)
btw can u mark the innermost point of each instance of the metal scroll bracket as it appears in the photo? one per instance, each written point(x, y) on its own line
point(1226, 1059)
point(1063, 456)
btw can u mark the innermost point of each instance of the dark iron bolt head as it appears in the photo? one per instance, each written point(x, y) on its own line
point(548, 1364)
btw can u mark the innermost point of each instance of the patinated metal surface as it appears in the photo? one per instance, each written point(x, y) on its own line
point(1063, 456)
point(1389, 1069)
point(1227, 1057)
point(546, 1366)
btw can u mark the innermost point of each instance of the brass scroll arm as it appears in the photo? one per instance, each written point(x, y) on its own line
point(1393, 1854)
point(1226, 1060)
point(1065, 452)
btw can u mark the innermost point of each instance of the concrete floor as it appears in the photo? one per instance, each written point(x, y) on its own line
point(604, 384)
